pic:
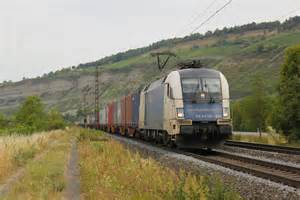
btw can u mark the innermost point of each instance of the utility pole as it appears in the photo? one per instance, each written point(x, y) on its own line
point(97, 119)
point(85, 92)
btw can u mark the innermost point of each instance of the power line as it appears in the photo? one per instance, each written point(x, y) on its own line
point(202, 14)
point(289, 13)
point(211, 16)
point(199, 15)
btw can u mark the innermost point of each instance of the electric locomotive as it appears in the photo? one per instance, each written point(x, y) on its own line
point(188, 108)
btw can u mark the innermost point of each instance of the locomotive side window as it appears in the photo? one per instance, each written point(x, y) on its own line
point(169, 91)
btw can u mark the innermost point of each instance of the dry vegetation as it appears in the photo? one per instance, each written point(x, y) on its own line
point(270, 137)
point(110, 171)
point(16, 150)
point(44, 178)
point(107, 170)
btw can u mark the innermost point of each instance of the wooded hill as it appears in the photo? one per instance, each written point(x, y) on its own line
point(240, 52)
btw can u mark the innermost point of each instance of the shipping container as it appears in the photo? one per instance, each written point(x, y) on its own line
point(110, 114)
point(119, 116)
point(154, 106)
point(135, 104)
point(115, 113)
point(91, 120)
point(128, 111)
point(123, 112)
point(103, 116)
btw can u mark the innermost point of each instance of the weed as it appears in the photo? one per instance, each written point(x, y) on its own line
point(17, 150)
point(109, 171)
point(24, 155)
point(44, 178)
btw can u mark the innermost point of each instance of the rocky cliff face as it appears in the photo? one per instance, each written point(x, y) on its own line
point(240, 57)
point(53, 92)
point(66, 94)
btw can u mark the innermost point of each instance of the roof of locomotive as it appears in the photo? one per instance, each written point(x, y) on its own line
point(186, 73)
point(198, 72)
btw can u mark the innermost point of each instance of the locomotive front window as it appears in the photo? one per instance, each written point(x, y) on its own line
point(212, 86)
point(208, 88)
point(191, 85)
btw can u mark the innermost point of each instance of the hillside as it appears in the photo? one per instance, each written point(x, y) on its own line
point(239, 52)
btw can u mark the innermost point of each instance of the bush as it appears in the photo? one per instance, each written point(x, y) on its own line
point(32, 114)
point(30, 118)
point(289, 95)
point(250, 113)
point(55, 120)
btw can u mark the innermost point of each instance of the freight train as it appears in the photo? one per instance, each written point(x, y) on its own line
point(187, 108)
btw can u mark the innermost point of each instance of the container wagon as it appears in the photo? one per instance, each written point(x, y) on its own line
point(188, 108)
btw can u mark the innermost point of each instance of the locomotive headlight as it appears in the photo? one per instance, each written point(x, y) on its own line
point(180, 112)
point(225, 112)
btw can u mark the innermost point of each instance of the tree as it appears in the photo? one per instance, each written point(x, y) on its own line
point(3, 121)
point(55, 120)
point(236, 116)
point(258, 112)
point(289, 93)
point(32, 114)
point(250, 113)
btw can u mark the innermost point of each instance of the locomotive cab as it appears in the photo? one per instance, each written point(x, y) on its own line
point(197, 106)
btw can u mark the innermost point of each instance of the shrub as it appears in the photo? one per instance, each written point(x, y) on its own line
point(32, 114)
point(289, 95)
point(30, 118)
point(55, 120)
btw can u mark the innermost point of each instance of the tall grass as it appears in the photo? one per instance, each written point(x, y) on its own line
point(44, 178)
point(16, 150)
point(266, 138)
point(109, 171)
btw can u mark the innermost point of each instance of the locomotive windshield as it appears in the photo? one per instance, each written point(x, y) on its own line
point(196, 89)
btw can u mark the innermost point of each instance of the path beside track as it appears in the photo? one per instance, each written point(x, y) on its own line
point(13, 179)
point(72, 175)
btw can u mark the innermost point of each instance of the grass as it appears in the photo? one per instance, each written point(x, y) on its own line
point(16, 151)
point(218, 52)
point(281, 40)
point(271, 137)
point(109, 171)
point(44, 178)
point(264, 139)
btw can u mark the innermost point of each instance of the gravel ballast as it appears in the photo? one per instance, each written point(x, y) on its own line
point(249, 186)
point(288, 159)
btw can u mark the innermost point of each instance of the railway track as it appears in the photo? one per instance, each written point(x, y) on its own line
point(284, 174)
point(264, 147)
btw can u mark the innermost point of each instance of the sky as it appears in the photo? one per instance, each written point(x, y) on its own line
point(39, 36)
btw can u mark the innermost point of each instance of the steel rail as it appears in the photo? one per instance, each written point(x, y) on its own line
point(264, 147)
point(279, 173)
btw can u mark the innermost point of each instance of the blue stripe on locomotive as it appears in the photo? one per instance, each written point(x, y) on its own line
point(203, 111)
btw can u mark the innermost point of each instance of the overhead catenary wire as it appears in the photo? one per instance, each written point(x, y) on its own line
point(211, 16)
point(198, 16)
point(202, 15)
point(289, 13)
